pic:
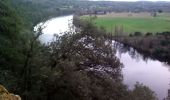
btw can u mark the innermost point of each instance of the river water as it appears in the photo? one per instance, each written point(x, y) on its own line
point(54, 26)
point(137, 68)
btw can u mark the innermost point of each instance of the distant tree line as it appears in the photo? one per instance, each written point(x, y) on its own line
point(155, 45)
point(86, 7)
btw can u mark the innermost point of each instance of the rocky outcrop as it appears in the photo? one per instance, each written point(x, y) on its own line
point(5, 95)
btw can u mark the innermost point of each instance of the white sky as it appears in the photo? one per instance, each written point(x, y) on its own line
point(132, 0)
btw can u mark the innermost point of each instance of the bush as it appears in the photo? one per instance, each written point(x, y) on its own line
point(148, 34)
point(141, 92)
point(164, 33)
point(165, 42)
point(137, 34)
point(130, 35)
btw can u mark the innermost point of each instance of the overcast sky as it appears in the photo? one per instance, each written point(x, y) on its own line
point(132, 0)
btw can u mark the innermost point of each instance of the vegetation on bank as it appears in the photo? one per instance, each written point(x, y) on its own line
point(34, 11)
point(153, 45)
point(133, 22)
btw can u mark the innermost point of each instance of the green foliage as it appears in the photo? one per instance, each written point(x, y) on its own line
point(34, 11)
point(9, 36)
point(9, 22)
point(160, 11)
point(137, 34)
point(15, 39)
point(130, 35)
point(146, 93)
point(165, 42)
point(11, 47)
point(148, 34)
point(162, 53)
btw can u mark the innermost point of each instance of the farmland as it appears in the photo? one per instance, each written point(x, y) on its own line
point(134, 22)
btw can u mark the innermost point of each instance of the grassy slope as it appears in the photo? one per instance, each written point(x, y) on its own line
point(130, 25)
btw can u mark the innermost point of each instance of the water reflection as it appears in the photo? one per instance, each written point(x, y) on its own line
point(122, 49)
point(140, 68)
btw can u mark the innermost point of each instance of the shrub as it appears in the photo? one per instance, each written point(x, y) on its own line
point(165, 42)
point(130, 35)
point(148, 34)
point(137, 34)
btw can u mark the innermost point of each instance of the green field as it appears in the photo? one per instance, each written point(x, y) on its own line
point(145, 24)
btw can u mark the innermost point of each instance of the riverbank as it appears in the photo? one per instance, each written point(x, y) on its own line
point(136, 61)
point(153, 46)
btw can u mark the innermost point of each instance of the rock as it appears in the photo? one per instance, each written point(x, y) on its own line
point(5, 95)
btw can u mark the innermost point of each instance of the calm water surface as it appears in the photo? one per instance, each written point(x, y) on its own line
point(137, 68)
point(55, 26)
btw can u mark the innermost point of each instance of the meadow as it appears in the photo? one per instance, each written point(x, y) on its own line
point(134, 22)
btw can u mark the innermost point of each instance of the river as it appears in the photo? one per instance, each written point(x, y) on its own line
point(137, 68)
point(54, 26)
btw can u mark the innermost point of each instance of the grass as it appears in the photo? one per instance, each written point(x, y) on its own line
point(136, 24)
